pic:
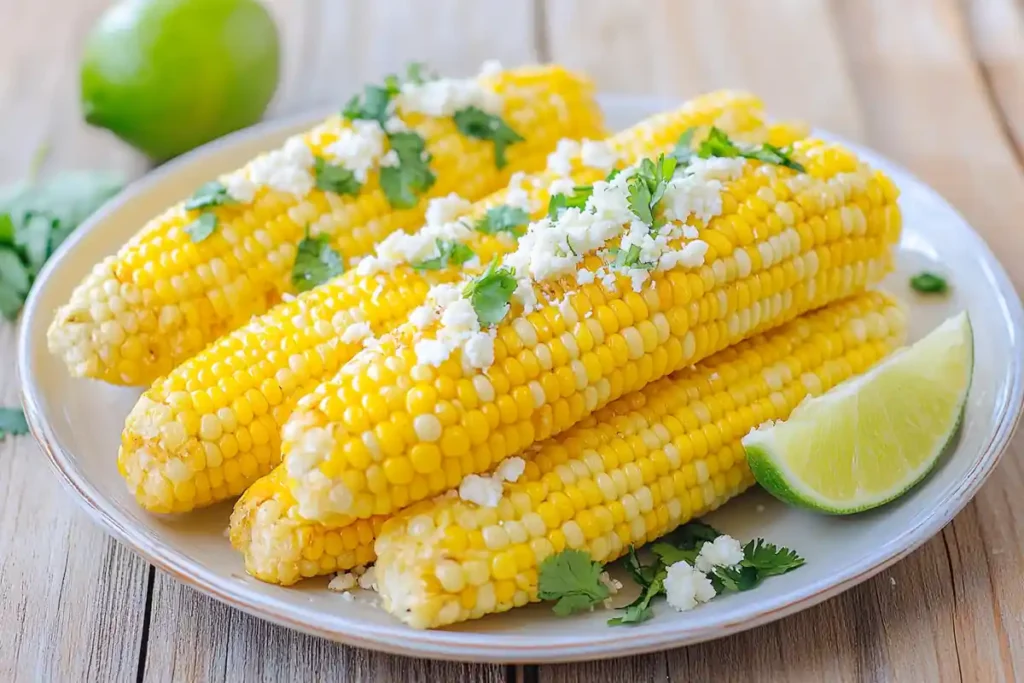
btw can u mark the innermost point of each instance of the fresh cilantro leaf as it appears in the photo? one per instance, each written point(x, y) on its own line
point(693, 534)
point(419, 73)
point(208, 195)
point(611, 174)
point(335, 178)
point(504, 218)
point(6, 230)
point(630, 258)
point(67, 199)
point(683, 151)
point(36, 239)
point(573, 579)
point(558, 203)
point(448, 252)
point(10, 302)
point(316, 262)
point(405, 182)
point(768, 559)
point(929, 283)
point(670, 554)
point(647, 187)
point(640, 200)
point(491, 292)
point(770, 154)
point(476, 123)
point(374, 102)
point(12, 422)
point(735, 579)
point(641, 573)
point(718, 144)
point(202, 227)
point(13, 272)
point(640, 609)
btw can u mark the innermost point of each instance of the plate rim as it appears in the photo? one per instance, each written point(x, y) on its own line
point(504, 648)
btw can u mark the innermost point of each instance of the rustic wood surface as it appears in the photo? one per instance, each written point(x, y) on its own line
point(936, 84)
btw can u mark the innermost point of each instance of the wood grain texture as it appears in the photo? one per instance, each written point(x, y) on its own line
point(935, 84)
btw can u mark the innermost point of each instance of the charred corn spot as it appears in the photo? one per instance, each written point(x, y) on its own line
point(623, 471)
point(763, 267)
point(162, 297)
point(261, 370)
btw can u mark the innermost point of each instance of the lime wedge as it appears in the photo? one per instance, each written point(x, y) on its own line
point(872, 438)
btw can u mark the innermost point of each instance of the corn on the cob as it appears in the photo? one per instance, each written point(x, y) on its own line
point(393, 427)
point(209, 428)
point(630, 473)
point(163, 296)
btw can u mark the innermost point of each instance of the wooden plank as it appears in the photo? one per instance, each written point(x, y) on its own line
point(194, 638)
point(71, 599)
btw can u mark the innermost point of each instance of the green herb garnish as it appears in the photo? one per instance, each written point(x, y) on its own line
point(491, 292)
point(630, 258)
point(476, 123)
point(768, 559)
point(573, 579)
point(12, 422)
point(504, 218)
point(405, 182)
point(35, 218)
point(208, 195)
point(929, 283)
point(647, 187)
point(202, 227)
point(718, 144)
point(448, 252)
point(558, 203)
point(373, 104)
point(316, 262)
point(335, 178)
point(419, 73)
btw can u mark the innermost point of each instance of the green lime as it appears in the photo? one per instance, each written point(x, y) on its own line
point(169, 75)
point(872, 438)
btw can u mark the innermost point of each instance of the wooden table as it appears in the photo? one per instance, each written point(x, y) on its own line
point(936, 84)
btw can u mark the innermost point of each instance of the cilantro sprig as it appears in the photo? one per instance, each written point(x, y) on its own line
point(558, 203)
point(929, 283)
point(12, 422)
point(504, 218)
point(316, 262)
point(491, 292)
point(719, 144)
point(449, 252)
point(476, 123)
point(573, 579)
point(35, 218)
point(411, 177)
point(335, 178)
point(647, 187)
point(629, 258)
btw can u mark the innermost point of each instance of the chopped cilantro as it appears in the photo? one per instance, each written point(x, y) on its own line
point(491, 292)
point(640, 609)
point(374, 102)
point(448, 252)
point(202, 227)
point(734, 579)
point(558, 203)
point(769, 560)
point(718, 144)
point(647, 187)
point(476, 123)
point(405, 182)
point(316, 262)
point(208, 195)
point(670, 554)
point(419, 73)
point(12, 422)
point(683, 151)
point(691, 534)
point(335, 178)
point(770, 154)
point(929, 283)
point(611, 174)
point(504, 218)
point(630, 258)
point(573, 579)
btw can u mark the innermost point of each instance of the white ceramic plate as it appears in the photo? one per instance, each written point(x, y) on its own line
point(78, 423)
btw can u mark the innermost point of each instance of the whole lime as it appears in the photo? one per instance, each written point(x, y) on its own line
point(169, 75)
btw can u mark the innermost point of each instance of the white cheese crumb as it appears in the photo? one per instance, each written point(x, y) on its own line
point(491, 67)
point(356, 332)
point(343, 581)
point(479, 350)
point(584, 276)
point(358, 148)
point(510, 469)
point(442, 210)
point(239, 187)
point(598, 154)
point(483, 491)
point(516, 195)
point(445, 96)
point(390, 159)
point(560, 161)
point(685, 587)
point(395, 125)
point(724, 551)
point(286, 169)
point(431, 352)
point(368, 579)
point(561, 186)
point(422, 316)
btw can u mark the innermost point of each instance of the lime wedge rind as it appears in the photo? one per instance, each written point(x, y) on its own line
point(765, 449)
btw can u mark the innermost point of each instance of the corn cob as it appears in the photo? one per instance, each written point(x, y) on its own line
point(626, 475)
point(783, 242)
point(163, 296)
point(209, 428)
